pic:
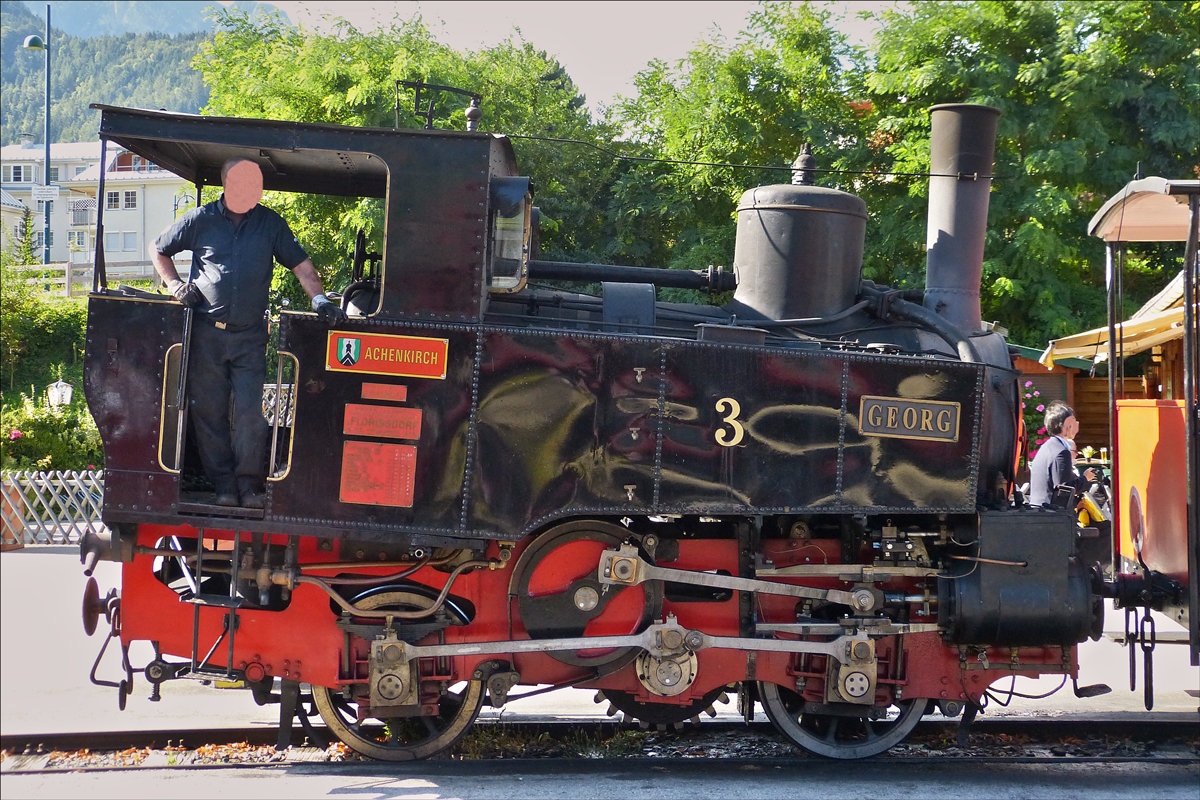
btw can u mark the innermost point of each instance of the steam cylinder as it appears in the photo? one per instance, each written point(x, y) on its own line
point(962, 145)
point(799, 250)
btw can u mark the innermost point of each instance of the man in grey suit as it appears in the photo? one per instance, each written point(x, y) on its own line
point(1053, 465)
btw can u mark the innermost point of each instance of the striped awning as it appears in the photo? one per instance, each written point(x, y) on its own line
point(1135, 335)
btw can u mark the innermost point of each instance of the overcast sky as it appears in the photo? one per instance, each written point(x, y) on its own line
point(602, 44)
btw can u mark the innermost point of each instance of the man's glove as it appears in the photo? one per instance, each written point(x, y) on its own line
point(327, 311)
point(188, 294)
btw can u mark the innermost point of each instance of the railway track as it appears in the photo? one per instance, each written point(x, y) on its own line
point(1004, 740)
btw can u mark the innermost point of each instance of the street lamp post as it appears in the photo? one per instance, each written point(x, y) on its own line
point(36, 42)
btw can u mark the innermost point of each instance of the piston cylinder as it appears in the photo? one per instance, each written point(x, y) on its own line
point(1023, 584)
point(799, 251)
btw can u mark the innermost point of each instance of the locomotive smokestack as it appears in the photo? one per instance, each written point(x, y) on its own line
point(962, 146)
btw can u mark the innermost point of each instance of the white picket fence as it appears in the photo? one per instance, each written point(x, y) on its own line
point(53, 277)
point(59, 507)
point(50, 507)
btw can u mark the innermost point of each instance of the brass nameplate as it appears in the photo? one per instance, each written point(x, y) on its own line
point(899, 418)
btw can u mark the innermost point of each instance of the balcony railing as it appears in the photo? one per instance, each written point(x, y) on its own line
point(83, 212)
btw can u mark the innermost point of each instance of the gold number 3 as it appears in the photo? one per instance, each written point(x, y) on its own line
point(728, 404)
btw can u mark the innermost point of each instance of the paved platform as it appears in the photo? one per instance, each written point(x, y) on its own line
point(45, 658)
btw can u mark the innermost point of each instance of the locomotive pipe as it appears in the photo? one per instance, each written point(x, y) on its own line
point(712, 279)
point(962, 144)
point(325, 586)
point(789, 323)
point(887, 304)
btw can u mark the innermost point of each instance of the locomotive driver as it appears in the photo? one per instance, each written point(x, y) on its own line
point(1054, 465)
point(234, 241)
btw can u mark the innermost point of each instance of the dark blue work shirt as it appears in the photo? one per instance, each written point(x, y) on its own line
point(233, 263)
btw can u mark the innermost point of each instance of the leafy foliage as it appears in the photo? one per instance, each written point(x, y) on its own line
point(41, 340)
point(261, 66)
point(23, 252)
point(779, 85)
point(38, 437)
point(1033, 411)
point(1088, 91)
point(41, 337)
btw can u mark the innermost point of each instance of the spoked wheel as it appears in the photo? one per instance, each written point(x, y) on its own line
point(400, 738)
point(836, 736)
point(559, 596)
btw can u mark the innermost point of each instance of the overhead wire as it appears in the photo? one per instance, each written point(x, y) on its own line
point(695, 163)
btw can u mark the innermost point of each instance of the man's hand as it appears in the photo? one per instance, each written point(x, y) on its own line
point(188, 294)
point(327, 311)
point(1090, 474)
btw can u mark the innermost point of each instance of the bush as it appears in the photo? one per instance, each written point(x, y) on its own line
point(41, 337)
point(37, 437)
point(1033, 410)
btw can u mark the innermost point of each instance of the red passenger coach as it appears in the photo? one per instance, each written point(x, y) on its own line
point(804, 497)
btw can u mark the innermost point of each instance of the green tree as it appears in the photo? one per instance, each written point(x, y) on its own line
point(1088, 92)
point(262, 66)
point(24, 252)
point(781, 84)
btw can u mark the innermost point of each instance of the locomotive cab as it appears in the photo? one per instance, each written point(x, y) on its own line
point(456, 226)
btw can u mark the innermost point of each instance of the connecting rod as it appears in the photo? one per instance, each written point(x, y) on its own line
point(624, 567)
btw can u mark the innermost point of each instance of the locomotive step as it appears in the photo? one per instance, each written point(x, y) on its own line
point(194, 505)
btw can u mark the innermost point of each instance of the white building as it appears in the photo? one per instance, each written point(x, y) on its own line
point(12, 212)
point(140, 201)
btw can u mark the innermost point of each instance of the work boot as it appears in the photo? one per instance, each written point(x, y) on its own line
point(252, 492)
point(226, 493)
point(254, 499)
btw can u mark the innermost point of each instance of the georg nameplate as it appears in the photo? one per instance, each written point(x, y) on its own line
point(900, 418)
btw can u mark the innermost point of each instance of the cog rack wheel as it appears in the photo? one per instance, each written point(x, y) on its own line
point(661, 715)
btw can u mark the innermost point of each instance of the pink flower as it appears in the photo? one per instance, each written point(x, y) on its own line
point(1042, 429)
point(14, 434)
point(1036, 393)
point(1040, 442)
point(1041, 408)
point(1028, 384)
point(91, 466)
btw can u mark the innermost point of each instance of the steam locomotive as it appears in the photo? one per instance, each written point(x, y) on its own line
point(804, 497)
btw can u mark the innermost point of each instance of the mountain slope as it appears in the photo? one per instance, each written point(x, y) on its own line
point(119, 52)
point(88, 18)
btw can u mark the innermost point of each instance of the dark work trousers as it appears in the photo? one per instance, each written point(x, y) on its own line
point(224, 367)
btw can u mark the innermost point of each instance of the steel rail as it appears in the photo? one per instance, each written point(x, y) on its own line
point(25, 750)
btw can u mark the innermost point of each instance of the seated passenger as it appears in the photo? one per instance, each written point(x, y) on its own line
point(1054, 464)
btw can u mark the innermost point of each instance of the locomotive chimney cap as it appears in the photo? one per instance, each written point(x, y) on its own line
point(804, 167)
